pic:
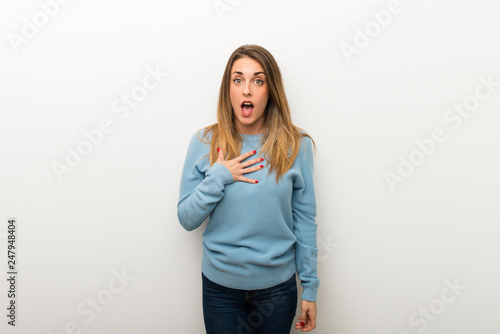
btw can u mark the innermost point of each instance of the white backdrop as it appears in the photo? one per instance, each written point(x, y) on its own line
point(99, 100)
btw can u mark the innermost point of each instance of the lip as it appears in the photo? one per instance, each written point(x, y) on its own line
point(247, 101)
point(249, 113)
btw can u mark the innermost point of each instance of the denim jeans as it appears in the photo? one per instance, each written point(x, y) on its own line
point(233, 311)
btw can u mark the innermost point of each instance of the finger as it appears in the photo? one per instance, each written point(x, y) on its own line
point(251, 162)
point(249, 170)
point(303, 316)
point(221, 154)
point(246, 179)
point(245, 155)
point(313, 322)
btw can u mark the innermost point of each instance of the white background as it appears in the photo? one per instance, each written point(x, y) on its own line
point(385, 254)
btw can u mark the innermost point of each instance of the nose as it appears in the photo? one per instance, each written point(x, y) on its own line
point(246, 89)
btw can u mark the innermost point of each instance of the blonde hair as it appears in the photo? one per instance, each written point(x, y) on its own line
point(280, 140)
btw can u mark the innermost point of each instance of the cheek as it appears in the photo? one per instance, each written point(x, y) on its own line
point(264, 99)
point(232, 97)
point(264, 96)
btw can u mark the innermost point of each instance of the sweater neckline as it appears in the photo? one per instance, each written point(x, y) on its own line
point(259, 135)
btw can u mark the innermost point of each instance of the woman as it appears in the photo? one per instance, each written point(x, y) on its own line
point(251, 173)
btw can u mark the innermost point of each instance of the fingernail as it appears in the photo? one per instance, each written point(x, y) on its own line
point(254, 152)
point(302, 324)
point(256, 181)
point(261, 159)
point(261, 166)
point(218, 149)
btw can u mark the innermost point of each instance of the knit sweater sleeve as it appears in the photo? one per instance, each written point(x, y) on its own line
point(304, 223)
point(202, 185)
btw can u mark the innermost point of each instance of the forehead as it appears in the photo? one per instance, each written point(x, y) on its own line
point(247, 66)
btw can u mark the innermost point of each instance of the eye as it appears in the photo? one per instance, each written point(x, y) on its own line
point(237, 80)
point(259, 82)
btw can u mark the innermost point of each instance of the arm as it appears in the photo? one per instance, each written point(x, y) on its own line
point(202, 186)
point(304, 223)
point(200, 189)
point(304, 228)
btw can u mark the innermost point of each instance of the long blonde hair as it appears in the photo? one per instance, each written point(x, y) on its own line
point(280, 140)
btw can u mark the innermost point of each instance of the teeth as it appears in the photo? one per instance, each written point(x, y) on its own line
point(247, 104)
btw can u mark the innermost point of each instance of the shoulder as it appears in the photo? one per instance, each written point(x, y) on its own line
point(305, 139)
point(305, 154)
point(306, 142)
point(202, 136)
point(199, 144)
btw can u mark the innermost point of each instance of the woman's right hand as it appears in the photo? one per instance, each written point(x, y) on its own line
point(238, 168)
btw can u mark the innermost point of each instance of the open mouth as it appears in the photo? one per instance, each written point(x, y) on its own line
point(247, 108)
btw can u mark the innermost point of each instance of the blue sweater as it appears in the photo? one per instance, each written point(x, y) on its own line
point(257, 235)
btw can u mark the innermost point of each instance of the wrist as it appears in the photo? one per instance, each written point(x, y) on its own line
point(223, 172)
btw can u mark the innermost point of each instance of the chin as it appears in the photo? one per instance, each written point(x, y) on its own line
point(247, 123)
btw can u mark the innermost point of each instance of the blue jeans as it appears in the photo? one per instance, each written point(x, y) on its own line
point(233, 311)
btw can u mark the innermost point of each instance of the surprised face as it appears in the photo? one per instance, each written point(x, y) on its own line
point(249, 95)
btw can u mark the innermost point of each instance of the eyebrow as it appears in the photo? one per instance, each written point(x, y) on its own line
point(256, 73)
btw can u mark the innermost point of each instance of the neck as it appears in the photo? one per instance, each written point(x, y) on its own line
point(252, 129)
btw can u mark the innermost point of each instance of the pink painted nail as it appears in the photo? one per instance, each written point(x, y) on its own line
point(254, 152)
